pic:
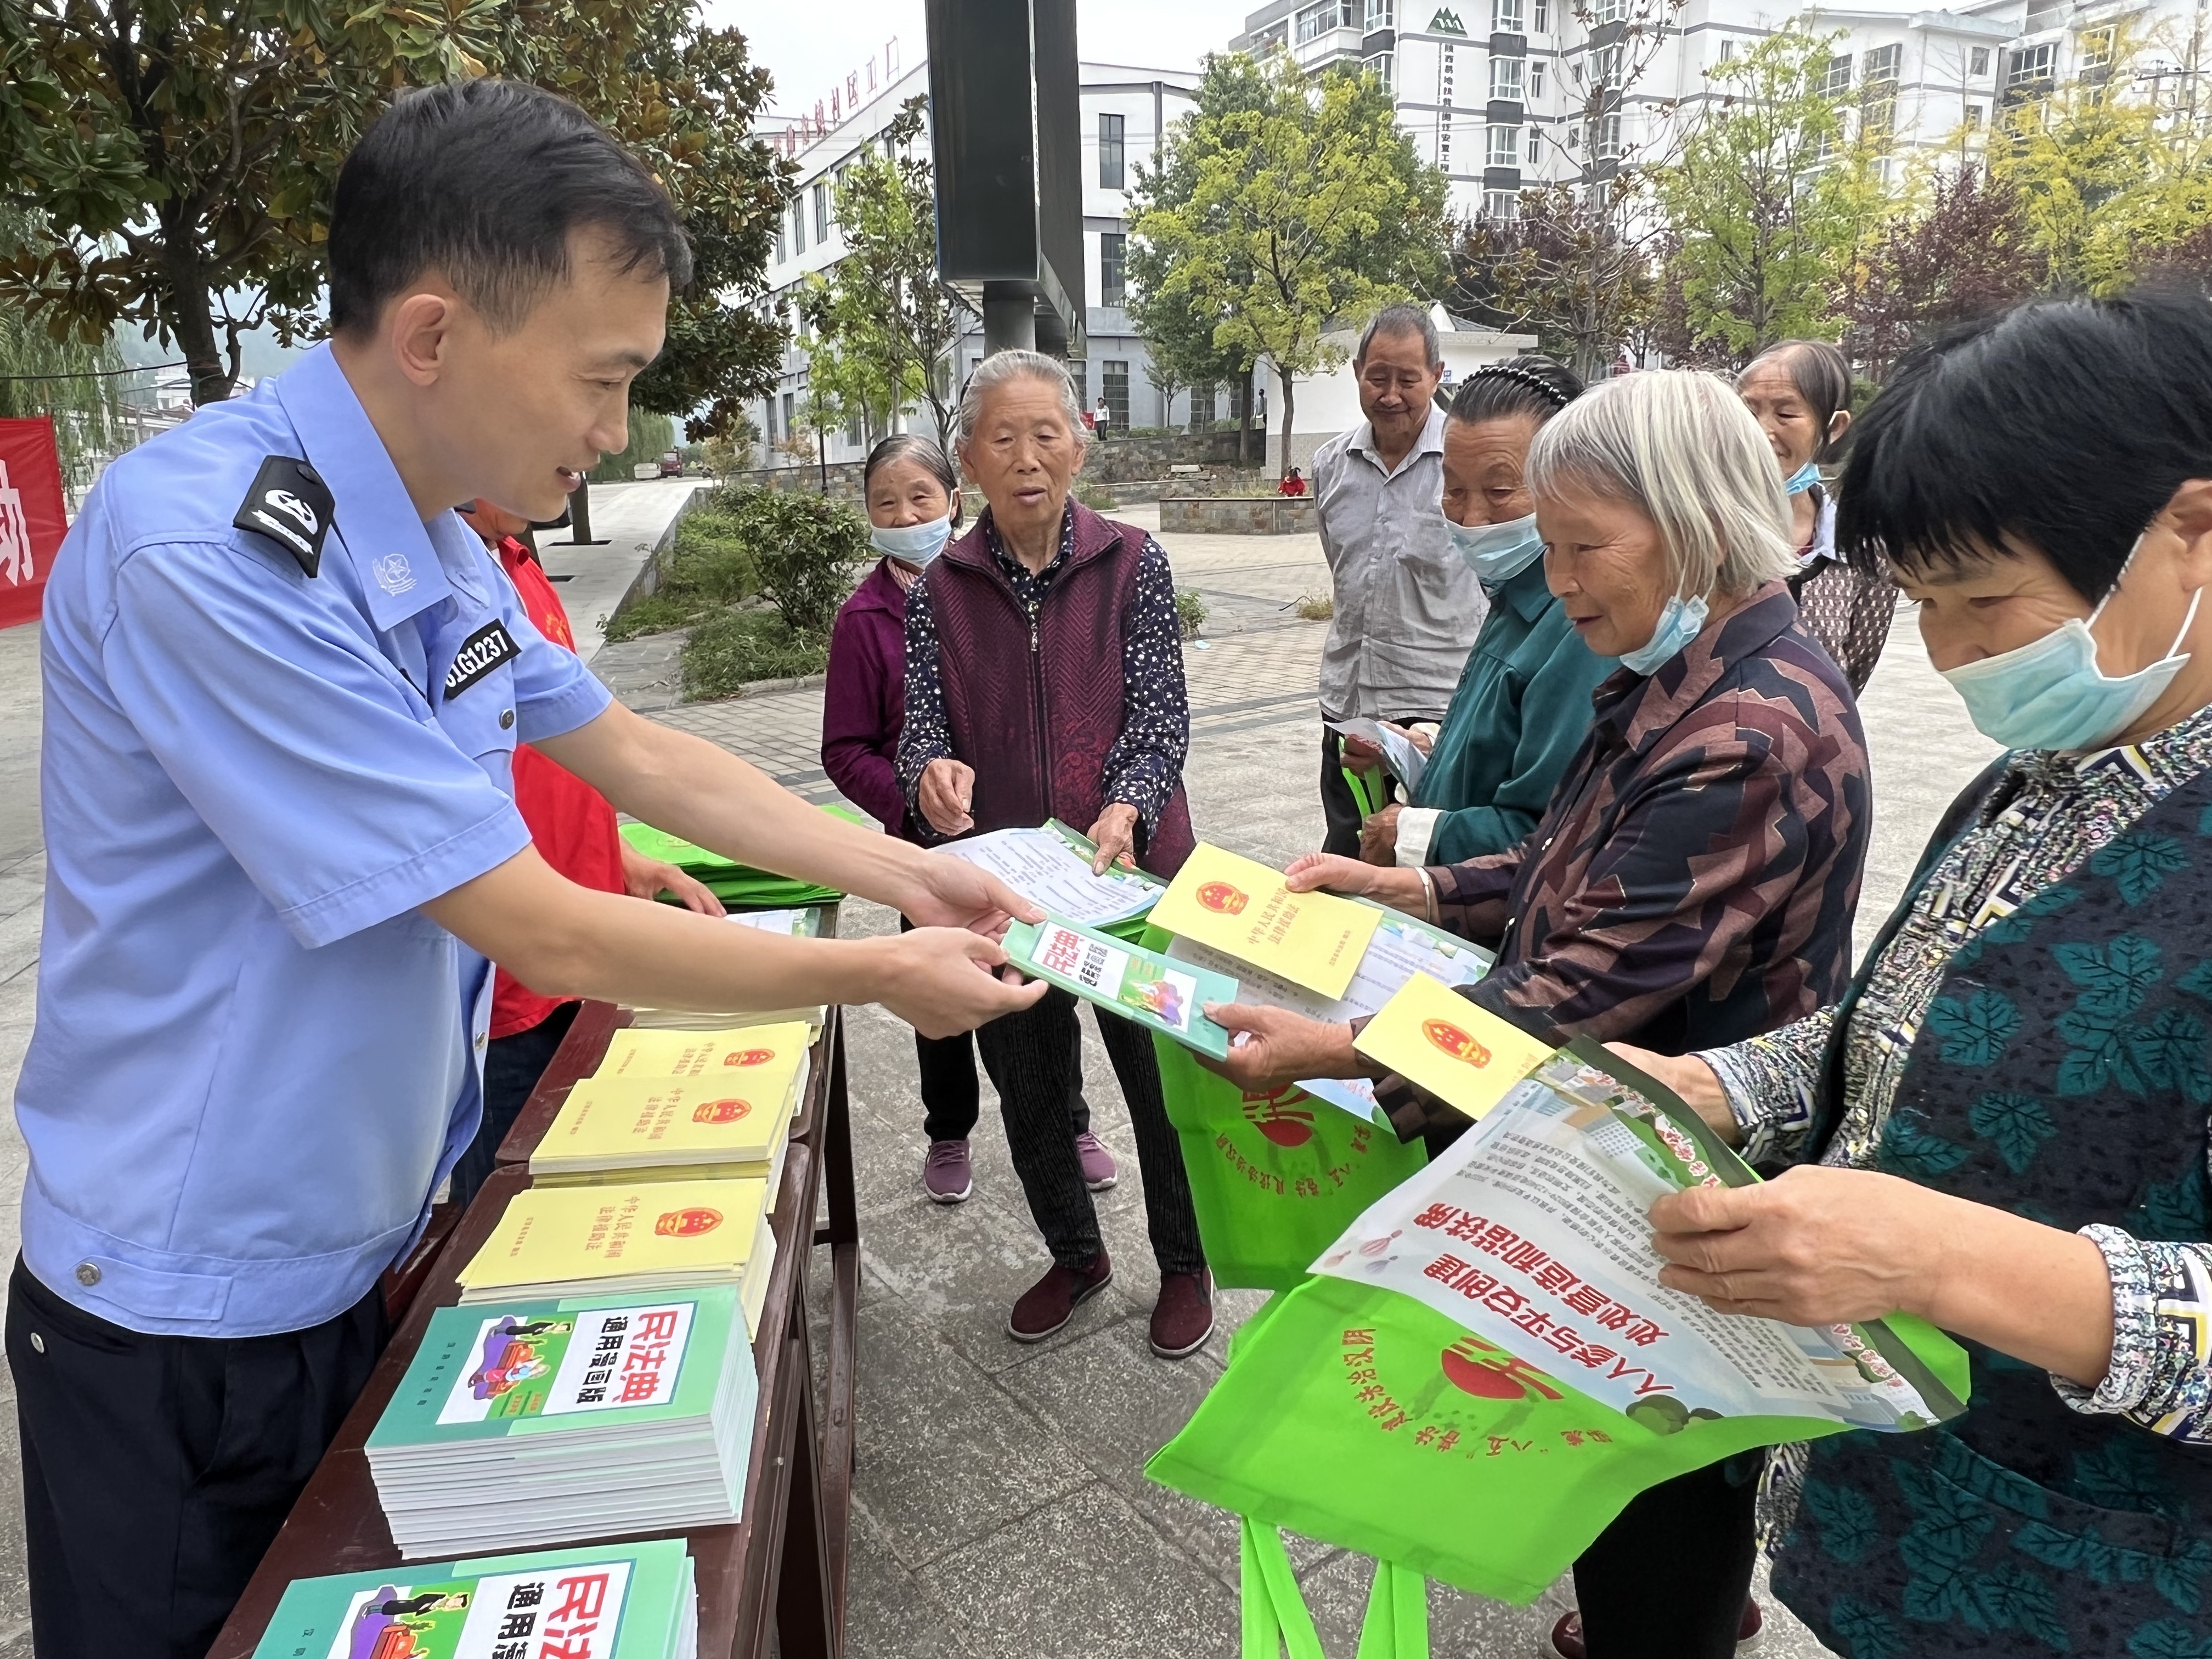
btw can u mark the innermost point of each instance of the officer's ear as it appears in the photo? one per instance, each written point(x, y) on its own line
point(421, 325)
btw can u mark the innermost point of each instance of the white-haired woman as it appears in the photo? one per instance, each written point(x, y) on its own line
point(1044, 679)
point(1695, 872)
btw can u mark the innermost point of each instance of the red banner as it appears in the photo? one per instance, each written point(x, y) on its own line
point(33, 516)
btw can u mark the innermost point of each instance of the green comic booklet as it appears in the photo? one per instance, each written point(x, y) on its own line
point(1136, 983)
point(615, 1602)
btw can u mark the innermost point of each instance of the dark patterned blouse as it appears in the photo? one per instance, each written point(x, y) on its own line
point(1697, 869)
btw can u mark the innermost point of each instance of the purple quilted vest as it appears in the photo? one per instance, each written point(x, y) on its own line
point(1034, 701)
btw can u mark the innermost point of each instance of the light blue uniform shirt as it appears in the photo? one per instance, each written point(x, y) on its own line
point(255, 1059)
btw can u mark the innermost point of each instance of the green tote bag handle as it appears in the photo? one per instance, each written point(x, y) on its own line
point(1276, 1619)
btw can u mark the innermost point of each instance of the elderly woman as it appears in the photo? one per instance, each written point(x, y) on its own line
point(1523, 701)
point(1044, 679)
point(2005, 1116)
point(1694, 873)
point(1801, 392)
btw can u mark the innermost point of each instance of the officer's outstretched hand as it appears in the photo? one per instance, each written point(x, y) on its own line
point(945, 981)
point(954, 893)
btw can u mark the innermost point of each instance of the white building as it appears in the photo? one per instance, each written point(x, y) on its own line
point(1493, 91)
point(1124, 113)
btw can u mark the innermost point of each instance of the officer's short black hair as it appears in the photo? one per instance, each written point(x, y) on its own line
point(2064, 424)
point(483, 180)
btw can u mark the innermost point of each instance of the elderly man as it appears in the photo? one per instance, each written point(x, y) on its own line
point(1407, 609)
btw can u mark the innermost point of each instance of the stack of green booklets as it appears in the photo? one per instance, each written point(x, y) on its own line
point(529, 1423)
point(616, 1601)
point(732, 883)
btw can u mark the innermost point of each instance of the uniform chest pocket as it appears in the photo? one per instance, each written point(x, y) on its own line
point(476, 699)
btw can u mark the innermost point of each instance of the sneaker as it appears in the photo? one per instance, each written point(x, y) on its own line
point(1565, 1641)
point(946, 1176)
point(1051, 1302)
point(1184, 1316)
point(1099, 1171)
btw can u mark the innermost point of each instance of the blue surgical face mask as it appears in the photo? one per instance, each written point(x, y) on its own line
point(2050, 694)
point(1497, 552)
point(1802, 479)
point(1679, 619)
point(913, 543)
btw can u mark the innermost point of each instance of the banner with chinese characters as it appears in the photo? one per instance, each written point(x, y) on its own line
point(33, 516)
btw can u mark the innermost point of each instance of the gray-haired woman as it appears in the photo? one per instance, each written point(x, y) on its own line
point(1696, 870)
point(1044, 679)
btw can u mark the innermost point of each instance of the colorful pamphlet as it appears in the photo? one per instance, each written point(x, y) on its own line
point(1133, 982)
point(607, 1602)
point(1463, 1054)
point(1532, 1232)
point(1405, 761)
point(1235, 905)
point(658, 1235)
point(535, 1422)
point(1050, 866)
point(736, 1054)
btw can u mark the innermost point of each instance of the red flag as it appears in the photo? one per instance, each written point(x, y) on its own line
point(33, 515)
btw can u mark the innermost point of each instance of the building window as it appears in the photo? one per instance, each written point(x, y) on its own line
point(2097, 48)
point(1978, 63)
point(2028, 65)
point(1838, 81)
point(1506, 147)
point(1727, 50)
point(1505, 78)
point(1974, 117)
point(797, 227)
point(1114, 388)
point(767, 419)
point(1201, 408)
point(1539, 19)
point(1535, 79)
point(821, 213)
point(1606, 138)
point(1878, 90)
point(1110, 173)
point(1607, 64)
point(1536, 146)
point(2046, 15)
point(1113, 259)
point(1504, 205)
point(790, 414)
point(1882, 65)
point(1378, 17)
point(1506, 16)
point(782, 246)
point(1383, 67)
point(1611, 11)
point(1317, 20)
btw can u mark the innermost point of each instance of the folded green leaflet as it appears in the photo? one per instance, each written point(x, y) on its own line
point(1125, 979)
point(728, 880)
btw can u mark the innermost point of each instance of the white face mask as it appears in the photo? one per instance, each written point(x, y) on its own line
point(913, 543)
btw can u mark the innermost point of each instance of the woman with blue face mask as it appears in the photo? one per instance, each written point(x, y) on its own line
point(2002, 1128)
point(1800, 391)
point(1523, 700)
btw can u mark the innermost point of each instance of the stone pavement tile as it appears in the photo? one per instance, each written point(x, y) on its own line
point(1085, 1578)
point(14, 1572)
point(1461, 1626)
point(944, 1457)
point(889, 1613)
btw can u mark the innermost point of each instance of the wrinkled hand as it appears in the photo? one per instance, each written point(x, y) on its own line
point(1270, 1047)
point(948, 790)
point(945, 981)
point(1115, 832)
point(1359, 754)
point(1328, 871)
point(951, 892)
point(1815, 1246)
point(1378, 836)
point(647, 878)
point(1692, 1078)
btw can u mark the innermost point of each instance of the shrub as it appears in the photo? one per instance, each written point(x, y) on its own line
point(734, 649)
point(804, 547)
point(1190, 611)
point(1316, 607)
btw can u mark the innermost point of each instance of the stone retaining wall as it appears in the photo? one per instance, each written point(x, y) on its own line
point(1237, 515)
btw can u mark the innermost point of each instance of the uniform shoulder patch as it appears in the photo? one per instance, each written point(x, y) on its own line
point(291, 505)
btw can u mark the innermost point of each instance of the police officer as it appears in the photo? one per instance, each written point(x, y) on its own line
point(284, 684)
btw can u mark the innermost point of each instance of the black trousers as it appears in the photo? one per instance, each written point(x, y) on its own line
point(1667, 1579)
point(1032, 1057)
point(156, 1469)
point(513, 1066)
point(1339, 811)
point(951, 1098)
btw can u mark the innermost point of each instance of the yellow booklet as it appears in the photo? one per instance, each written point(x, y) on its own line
point(1234, 904)
point(735, 1056)
point(579, 1241)
point(627, 1122)
point(1462, 1054)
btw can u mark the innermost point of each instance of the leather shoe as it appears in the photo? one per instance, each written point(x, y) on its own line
point(1183, 1317)
point(1051, 1302)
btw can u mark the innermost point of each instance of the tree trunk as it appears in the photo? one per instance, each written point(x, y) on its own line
point(580, 514)
point(1290, 407)
point(190, 315)
point(1244, 422)
point(822, 458)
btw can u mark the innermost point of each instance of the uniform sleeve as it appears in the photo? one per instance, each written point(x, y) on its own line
point(305, 750)
point(1554, 717)
point(1145, 762)
point(554, 692)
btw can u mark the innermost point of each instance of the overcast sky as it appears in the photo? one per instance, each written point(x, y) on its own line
point(808, 45)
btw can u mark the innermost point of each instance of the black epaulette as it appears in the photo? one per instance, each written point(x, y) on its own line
point(291, 505)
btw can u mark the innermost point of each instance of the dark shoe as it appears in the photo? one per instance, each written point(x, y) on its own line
point(1565, 1641)
point(946, 1175)
point(1051, 1302)
point(1099, 1171)
point(1184, 1316)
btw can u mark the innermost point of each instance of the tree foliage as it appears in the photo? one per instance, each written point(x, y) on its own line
point(72, 381)
point(1305, 213)
point(184, 156)
point(1964, 253)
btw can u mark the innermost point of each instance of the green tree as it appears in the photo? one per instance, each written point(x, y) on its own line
point(888, 325)
point(73, 382)
point(1769, 200)
point(1305, 214)
point(184, 156)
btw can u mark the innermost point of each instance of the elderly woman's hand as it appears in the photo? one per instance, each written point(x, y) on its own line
point(1331, 871)
point(948, 789)
point(1115, 834)
point(1378, 836)
point(1270, 1047)
point(1697, 1082)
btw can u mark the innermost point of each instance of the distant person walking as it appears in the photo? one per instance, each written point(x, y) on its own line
point(1103, 416)
point(1407, 607)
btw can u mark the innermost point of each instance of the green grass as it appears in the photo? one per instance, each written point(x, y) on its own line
point(706, 571)
point(731, 648)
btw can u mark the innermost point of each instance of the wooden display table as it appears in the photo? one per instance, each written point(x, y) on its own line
point(773, 1583)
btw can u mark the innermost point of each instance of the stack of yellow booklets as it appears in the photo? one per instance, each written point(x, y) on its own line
point(724, 1110)
point(557, 1242)
point(796, 924)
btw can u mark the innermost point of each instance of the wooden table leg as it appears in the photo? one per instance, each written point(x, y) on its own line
point(805, 1627)
point(842, 1235)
